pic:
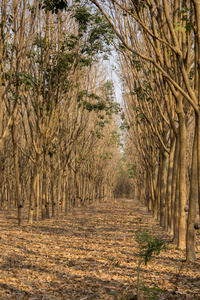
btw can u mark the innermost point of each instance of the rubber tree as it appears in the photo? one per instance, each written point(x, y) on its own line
point(178, 21)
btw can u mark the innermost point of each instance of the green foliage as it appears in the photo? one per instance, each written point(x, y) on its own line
point(124, 124)
point(139, 92)
point(140, 117)
point(28, 79)
point(122, 47)
point(179, 27)
point(53, 5)
point(96, 106)
point(132, 171)
point(93, 102)
point(185, 13)
point(153, 293)
point(137, 65)
point(191, 74)
point(99, 133)
point(148, 246)
point(107, 156)
point(95, 29)
point(83, 17)
point(115, 137)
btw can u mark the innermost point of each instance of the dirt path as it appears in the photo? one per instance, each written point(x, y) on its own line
point(88, 254)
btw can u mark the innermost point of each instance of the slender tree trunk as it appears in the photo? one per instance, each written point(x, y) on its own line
point(152, 183)
point(17, 172)
point(198, 151)
point(157, 193)
point(37, 187)
point(176, 211)
point(100, 191)
point(89, 191)
point(86, 191)
point(53, 202)
point(6, 195)
point(148, 191)
point(64, 193)
point(190, 240)
point(60, 172)
point(182, 183)
point(143, 188)
point(32, 197)
point(163, 188)
point(34, 191)
point(168, 210)
point(47, 202)
point(136, 191)
point(43, 206)
point(197, 83)
point(175, 185)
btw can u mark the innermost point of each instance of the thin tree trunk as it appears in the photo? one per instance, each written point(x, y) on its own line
point(17, 172)
point(47, 203)
point(32, 196)
point(182, 183)
point(64, 193)
point(53, 202)
point(198, 151)
point(176, 211)
point(174, 184)
point(37, 188)
point(190, 240)
point(163, 189)
point(43, 206)
point(157, 194)
point(168, 211)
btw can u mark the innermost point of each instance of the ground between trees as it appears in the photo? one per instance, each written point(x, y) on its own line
point(88, 253)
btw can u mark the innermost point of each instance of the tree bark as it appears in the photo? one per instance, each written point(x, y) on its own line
point(190, 238)
point(163, 188)
point(168, 215)
point(44, 179)
point(17, 172)
point(182, 182)
point(175, 185)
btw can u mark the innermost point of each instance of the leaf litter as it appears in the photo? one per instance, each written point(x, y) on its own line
point(88, 253)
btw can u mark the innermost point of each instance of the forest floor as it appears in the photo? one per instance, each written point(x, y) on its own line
point(88, 253)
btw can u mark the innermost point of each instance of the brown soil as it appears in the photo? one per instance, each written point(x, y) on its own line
point(88, 253)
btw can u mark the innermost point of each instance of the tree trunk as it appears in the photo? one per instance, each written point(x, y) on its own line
point(64, 193)
point(47, 202)
point(59, 198)
point(53, 202)
point(142, 188)
point(190, 239)
point(37, 188)
point(163, 188)
point(182, 183)
point(168, 210)
point(157, 193)
point(33, 192)
point(17, 172)
point(43, 206)
point(198, 152)
point(174, 184)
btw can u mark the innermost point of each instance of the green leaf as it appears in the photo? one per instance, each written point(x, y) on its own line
point(188, 27)
point(53, 5)
point(112, 293)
